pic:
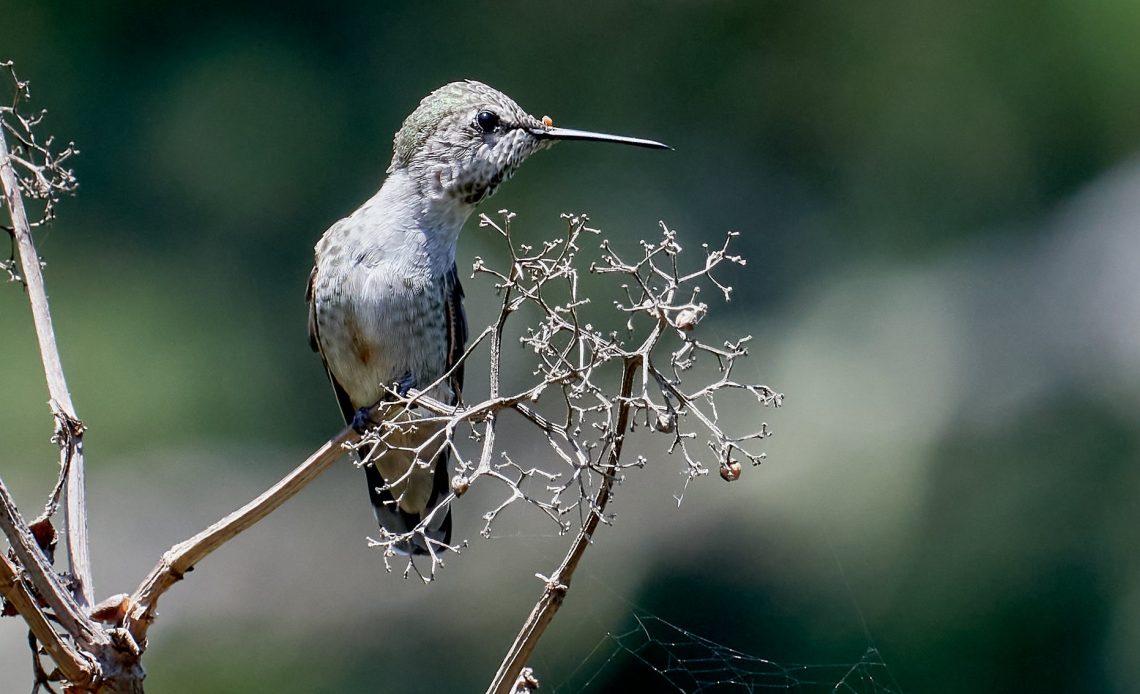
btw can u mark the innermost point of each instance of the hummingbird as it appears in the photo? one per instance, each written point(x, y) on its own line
point(385, 301)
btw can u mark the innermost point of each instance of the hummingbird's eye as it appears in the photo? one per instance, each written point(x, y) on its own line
point(487, 120)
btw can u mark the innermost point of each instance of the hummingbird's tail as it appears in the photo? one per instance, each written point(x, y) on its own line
point(397, 519)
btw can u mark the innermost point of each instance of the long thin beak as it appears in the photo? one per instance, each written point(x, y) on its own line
point(571, 134)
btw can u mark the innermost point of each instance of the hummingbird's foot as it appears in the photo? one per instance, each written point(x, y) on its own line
point(362, 420)
point(406, 383)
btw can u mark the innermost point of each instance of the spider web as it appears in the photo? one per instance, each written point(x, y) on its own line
point(676, 658)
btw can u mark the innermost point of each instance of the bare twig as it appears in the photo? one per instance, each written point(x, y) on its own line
point(182, 557)
point(559, 582)
point(68, 427)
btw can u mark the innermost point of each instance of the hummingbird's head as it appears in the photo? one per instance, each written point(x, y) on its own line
point(466, 138)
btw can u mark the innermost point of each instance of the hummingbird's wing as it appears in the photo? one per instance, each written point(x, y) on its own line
point(456, 325)
point(342, 399)
point(456, 330)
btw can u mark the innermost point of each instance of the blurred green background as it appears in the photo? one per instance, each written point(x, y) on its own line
point(939, 202)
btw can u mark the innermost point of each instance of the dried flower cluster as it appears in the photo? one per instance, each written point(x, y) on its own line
point(589, 386)
point(42, 173)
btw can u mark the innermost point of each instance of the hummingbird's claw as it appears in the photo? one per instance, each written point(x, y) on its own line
point(362, 420)
point(406, 383)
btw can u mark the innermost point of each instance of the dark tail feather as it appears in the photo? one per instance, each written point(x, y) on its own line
point(397, 521)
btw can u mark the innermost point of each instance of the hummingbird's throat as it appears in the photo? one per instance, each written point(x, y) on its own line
point(480, 173)
point(480, 179)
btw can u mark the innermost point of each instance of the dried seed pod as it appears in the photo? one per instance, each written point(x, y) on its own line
point(460, 485)
point(666, 423)
point(46, 536)
point(730, 471)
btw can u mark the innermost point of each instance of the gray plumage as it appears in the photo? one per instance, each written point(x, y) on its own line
point(385, 302)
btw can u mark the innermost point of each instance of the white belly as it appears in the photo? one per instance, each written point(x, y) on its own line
point(378, 326)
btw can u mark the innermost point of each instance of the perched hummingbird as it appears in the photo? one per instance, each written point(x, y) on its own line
point(385, 303)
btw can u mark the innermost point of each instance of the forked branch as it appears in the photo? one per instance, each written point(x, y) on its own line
point(559, 582)
point(571, 399)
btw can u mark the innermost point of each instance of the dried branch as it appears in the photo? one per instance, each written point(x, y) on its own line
point(74, 665)
point(44, 579)
point(182, 557)
point(571, 401)
point(559, 582)
point(46, 178)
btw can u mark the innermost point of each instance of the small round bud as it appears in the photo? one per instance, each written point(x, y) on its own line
point(730, 471)
point(666, 422)
point(112, 610)
point(460, 485)
point(526, 682)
